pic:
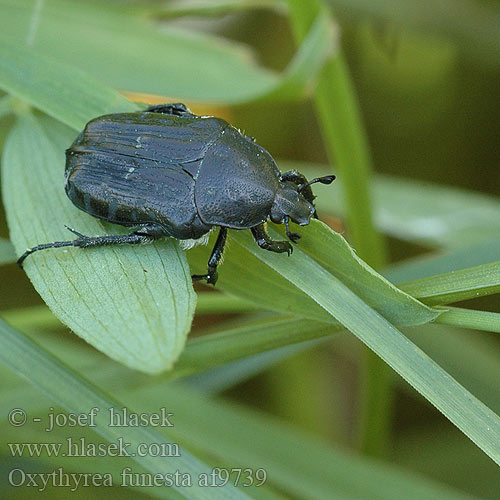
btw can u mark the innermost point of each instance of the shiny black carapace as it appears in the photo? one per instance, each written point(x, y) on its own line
point(168, 172)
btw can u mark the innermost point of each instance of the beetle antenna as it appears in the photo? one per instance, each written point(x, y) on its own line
point(327, 179)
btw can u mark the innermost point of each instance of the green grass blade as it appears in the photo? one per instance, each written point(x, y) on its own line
point(231, 374)
point(40, 317)
point(317, 472)
point(220, 303)
point(468, 318)
point(213, 350)
point(435, 263)
point(435, 214)
point(78, 395)
point(63, 92)
point(232, 343)
point(431, 214)
point(347, 147)
point(134, 54)
point(34, 317)
point(180, 8)
point(474, 26)
point(457, 285)
point(232, 434)
point(470, 358)
point(136, 304)
point(6, 107)
point(319, 243)
point(471, 416)
point(318, 44)
point(344, 137)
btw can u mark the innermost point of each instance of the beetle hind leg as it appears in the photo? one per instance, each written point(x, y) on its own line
point(176, 108)
point(264, 241)
point(215, 258)
point(146, 234)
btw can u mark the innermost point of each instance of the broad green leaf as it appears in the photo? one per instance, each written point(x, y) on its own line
point(76, 394)
point(7, 254)
point(257, 283)
point(457, 285)
point(136, 304)
point(133, 53)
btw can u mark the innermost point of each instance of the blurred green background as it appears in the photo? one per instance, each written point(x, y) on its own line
point(427, 76)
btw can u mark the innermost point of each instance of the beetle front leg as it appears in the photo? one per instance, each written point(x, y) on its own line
point(294, 176)
point(264, 241)
point(215, 257)
point(299, 179)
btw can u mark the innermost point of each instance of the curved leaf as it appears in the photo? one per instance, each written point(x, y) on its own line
point(258, 283)
point(136, 304)
point(469, 414)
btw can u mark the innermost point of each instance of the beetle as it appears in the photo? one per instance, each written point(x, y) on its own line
point(167, 172)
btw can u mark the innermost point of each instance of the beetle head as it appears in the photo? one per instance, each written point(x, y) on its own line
point(290, 203)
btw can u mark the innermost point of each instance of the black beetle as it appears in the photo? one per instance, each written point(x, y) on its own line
point(172, 173)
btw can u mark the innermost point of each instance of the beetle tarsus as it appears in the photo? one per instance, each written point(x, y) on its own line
point(210, 278)
point(294, 237)
point(264, 241)
point(214, 260)
point(55, 244)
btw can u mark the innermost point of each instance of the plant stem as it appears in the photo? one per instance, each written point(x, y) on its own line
point(345, 141)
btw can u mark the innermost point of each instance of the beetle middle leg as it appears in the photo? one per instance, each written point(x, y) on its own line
point(145, 234)
point(215, 257)
point(264, 241)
